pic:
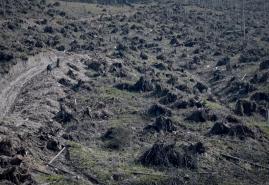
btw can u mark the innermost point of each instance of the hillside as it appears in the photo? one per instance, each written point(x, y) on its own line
point(134, 93)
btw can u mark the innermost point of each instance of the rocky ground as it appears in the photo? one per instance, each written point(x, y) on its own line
point(159, 93)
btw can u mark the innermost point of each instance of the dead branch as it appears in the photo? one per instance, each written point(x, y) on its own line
point(150, 174)
point(155, 174)
point(62, 170)
point(243, 160)
point(39, 171)
point(56, 156)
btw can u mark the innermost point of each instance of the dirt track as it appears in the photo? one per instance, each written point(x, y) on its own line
point(10, 92)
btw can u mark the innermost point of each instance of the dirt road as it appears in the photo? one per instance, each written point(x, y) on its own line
point(10, 92)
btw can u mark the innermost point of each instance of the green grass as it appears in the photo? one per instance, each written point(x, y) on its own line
point(60, 180)
point(106, 93)
point(213, 105)
point(125, 120)
point(114, 92)
point(150, 180)
point(264, 87)
point(89, 160)
point(265, 129)
point(104, 163)
point(80, 8)
point(231, 183)
point(129, 101)
point(263, 125)
point(257, 122)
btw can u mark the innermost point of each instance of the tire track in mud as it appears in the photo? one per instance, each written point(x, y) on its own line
point(39, 64)
point(9, 94)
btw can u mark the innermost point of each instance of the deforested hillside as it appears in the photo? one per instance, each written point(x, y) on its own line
point(111, 2)
point(134, 92)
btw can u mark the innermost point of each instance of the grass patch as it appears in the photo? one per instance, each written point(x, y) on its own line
point(265, 128)
point(213, 105)
point(114, 92)
point(59, 180)
point(107, 93)
point(263, 125)
point(231, 183)
point(89, 160)
point(128, 102)
point(264, 88)
point(150, 180)
point(104, 163)
point(125, 120)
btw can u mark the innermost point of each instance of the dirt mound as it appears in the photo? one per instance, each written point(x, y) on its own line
point(161, 90)
point(219, 128)
point(163, 155)
point(264, 65)
point(162, 124)
point(143, 56)
point(117, 138)
point(239, 130)
point(200, 87)
point(260, 96)
point(223, 61)
point(169, 98)
point(198, 116)
point(232, 119)
point(142, 85)
point(181, 104)
point(65, 82)
point(12, 168)
point(245, 107)
point(96, 66)
point(158, 110)
point(6, 147)
point(5, 56)
point(197, 148)
point(65, 115)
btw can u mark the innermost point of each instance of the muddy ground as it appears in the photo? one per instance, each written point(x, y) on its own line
point(156, 93)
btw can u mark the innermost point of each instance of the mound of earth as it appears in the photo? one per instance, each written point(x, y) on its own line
point(166, 155)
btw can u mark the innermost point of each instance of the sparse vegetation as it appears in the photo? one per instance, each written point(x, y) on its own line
point(213, 105)
point(135, 92)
